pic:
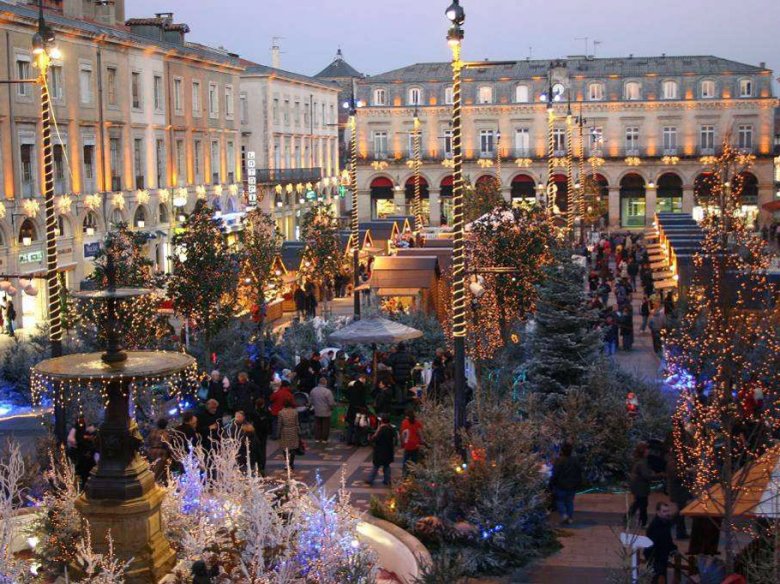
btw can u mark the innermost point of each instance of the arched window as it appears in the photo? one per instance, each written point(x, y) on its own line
point(28, 233)
point(521, 94)
point(139, 219)
point(596, 91)
point(162, 211)
point(63, 226)
point(669, 90)
point(380, 97)
point(448, 95)
point(231, 205)
point(117, 217)
point(632, 201)
point(90, 224)
point(633, 91)
point(707, 89)
point(669, 194)
point(415, 96)
point(485, 94)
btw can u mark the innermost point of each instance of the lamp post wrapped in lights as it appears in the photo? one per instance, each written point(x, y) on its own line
point(352, 106)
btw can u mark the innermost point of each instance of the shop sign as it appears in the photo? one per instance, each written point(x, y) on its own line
point(251, 178)
point(31, 257)
point(91, 249)
point(65, 250)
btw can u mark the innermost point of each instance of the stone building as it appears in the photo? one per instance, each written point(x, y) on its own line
point(648, 124)
point(289, 127)
point(146, 123)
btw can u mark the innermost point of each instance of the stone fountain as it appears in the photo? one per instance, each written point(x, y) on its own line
point(121, 496)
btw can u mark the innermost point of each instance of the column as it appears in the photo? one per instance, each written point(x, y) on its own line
point(506, 192)
point(364, 205)
point(689, 200)
point(614, 206)
point(399, 199)
point(435, 204)
point(650, 201)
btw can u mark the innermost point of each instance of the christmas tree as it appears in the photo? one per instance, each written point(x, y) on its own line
point(482, 198)
point(259, 282)
point(204, 283)
point(321, 259)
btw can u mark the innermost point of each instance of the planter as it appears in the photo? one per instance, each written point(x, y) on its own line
point(397, 550)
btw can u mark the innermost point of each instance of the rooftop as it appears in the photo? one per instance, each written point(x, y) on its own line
point(256, 69)
point(339, 68)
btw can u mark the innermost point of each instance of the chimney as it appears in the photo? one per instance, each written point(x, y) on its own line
point(762, 64)
point(276, 53)
point(73, 8)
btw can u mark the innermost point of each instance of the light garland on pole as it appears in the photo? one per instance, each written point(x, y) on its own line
point(416, 139)
point(352, 105)
point(570, 196)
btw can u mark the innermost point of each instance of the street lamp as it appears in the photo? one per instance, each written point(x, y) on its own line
point(457, 17)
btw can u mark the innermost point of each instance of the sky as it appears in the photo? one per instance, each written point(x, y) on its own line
point(380, 35)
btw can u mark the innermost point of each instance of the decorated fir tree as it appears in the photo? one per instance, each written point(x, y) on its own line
point(259, 283)
point(321, 259)
point(481, 198)
point(204, 283)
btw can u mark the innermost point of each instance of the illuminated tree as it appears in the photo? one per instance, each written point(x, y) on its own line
point(726, 349)
point(321, 257)
point(204, 283)
point(259, 283)
point(481, 198)
point(507, 248)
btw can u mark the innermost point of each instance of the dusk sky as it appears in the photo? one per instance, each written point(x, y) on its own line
point(377, 36)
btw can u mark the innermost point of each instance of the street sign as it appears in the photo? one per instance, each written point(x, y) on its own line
point(251, 178)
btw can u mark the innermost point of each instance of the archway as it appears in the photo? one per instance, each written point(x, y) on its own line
point(63, 226)
point(561, 192)
point(445, 199)
point(523, 189)
point(28, 232)
point(409, 192)
point(117, 217)
point(632, 201)
point(382, 204)
point(162, 213)
point(702, 189)
point(90, 224)
point(747, 183)
point(140, 217)
point(670, 194)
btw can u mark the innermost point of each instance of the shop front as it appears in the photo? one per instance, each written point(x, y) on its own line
point(632, 201)
point(382, 198)
point(523, 190)
point(670, 194)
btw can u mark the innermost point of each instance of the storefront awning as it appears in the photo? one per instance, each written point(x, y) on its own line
point(41, 272)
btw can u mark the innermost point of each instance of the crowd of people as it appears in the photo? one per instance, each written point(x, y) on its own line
point(619, 269)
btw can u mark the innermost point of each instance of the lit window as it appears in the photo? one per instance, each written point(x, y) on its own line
point(707, 89)
point(596, 92)
point(670, 90)
point(633, 91)
point(521, 94)
point(448, 96)
point(379, 97)
point(415, 96)
point(485, 94)
point(745, 88)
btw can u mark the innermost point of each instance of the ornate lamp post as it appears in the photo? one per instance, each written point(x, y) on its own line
point(457, 17)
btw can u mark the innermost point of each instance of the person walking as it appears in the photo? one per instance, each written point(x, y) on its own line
point(411, 439)
point(611, 335)
point(299, 297)
point(262, 420)
point(384, 451)
point(383, 398)
point(566, 479)
point(644, 310)
point(357, 398)
point(279, 397)
point(243, 394)
point(660, 533)
point(656, 324)
point(289, 432)
point(626, 324)
point(323, 403)
point(402, 363)
point(639, 484)
point(311, 301)
point(218, 389)
point(158, 450)
point(10, 317)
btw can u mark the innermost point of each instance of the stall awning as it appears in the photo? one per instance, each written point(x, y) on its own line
point(665, 284)
point(398, 291)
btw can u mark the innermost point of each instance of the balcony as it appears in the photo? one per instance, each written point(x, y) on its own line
point(670, 152)
point(288, 175)
point(521, 153)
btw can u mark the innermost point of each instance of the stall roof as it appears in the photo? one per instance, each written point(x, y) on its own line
point(291, 254)
point(380, 230)
point(440, 243)
point(443, 254)
point(404, 272)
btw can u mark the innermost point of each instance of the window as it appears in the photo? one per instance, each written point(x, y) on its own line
point(521, 94)
point(559, 141)
point(522, 142)
point(633, 91)
point(138, 162)
point(231, 162)
point(85, 84)
point(314, 120)
point(115, 152)
point(297, 113)
point(670, 140)
point(198, 160)
point(332, 114)
point(448, 143)
point(27, 158)
point(632, 141)
point(486, 142)
point(596, 92)
point(415, 96)
point(448, 96)
point(88, 160)
point(135, 89)
point(669, 90)
point(213, 100)
point(196, 103)
point(485, 94)
point(745, 137)
point(307, 108)
point(707, 139)
point(159, 158)
point(286, 113)
point(707, 89)
point(380, 145)
point(56, 88)
point(214, 162)
point(111, 85)
point(379, 97)
point(745, 88)
point(229, 106)
point(596, 138)
point(181, 170)
point(178, 106)
point(276, 111)
point(23, 71)
point(158, 93)
point(58, 154)
point(244, 108)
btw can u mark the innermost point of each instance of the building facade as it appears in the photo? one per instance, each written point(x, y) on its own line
point(289, 128)
point(648, 126)
point(146, 123)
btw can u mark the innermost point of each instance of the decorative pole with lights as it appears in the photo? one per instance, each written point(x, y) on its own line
point(581, 203)
point(570, 194)
point(498, 161)
point(417, 147)
point(551, 188)
point(457, 17)
point(44, 51)
point(352, 106)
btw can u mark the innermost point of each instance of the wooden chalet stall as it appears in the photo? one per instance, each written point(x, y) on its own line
point(383, 234)
point(410, 283)
point(287, 264)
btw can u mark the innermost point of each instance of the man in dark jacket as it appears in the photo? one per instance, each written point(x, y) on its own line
point(566, 479)
point(243, 394)
point(660, 533)
point(383, 398)
point(384, 451)
point(217, 390)
point(356, 394)
point(299, 297)
point(209, 423)
point(402, 362)
point(262, 420)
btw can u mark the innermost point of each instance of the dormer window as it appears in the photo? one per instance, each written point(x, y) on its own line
point(448, 95)
point(415, 96)
point(633, 91)
point(746, 88)
point(670, 90)
point(707, 89)
point(596, 91)
point(379, 97)
point(521, 94)
point(485, 94)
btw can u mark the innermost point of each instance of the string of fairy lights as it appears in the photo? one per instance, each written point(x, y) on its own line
point(416, 140)
point(570, 194)
point(458, 248)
